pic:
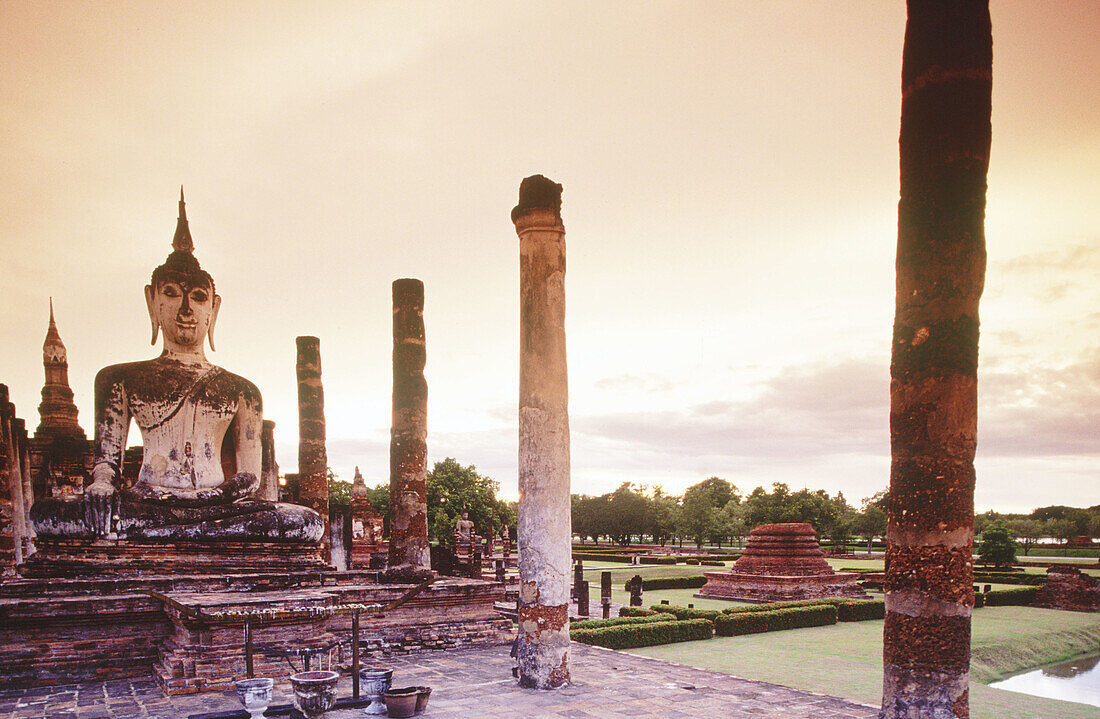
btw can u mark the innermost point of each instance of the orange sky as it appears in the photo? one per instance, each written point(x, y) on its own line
point(730, 174)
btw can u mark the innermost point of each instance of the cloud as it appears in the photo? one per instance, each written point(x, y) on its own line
point(632, 382)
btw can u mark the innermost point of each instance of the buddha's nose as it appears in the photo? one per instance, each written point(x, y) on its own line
point(185, 308)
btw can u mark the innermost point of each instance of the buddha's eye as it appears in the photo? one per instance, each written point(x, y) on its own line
point(198, 295)
point(170, 290)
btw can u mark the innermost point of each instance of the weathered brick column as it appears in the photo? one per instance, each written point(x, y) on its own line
point(312, 457)
point(23, 449)
point(944, 145)
point(409, 431)
point(269, 478)
point(543, 526)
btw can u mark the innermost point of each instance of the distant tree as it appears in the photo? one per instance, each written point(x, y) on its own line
point(1028, 532)
point(628, 513)
point(1080, 517)
point(870, 523)
point(339, 491)
point(590, 516)
point(453, 488)
point(780, 505)
point(701, 505)
point(664, 511)
point(1063, 530)
point(732, 518)
point(997, 547)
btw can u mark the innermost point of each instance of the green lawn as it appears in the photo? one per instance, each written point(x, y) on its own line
point(846, 659)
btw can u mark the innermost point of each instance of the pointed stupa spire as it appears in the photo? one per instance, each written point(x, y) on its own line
point(57, 411)
point(182, 239)
point(53, 349)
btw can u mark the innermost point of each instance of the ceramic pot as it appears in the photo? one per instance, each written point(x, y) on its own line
point(314, 692)
point(401, 702)
point(373, 683)
point(255, 694)
point(422, 694)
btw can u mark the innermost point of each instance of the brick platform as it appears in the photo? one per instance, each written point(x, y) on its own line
point(477, 683)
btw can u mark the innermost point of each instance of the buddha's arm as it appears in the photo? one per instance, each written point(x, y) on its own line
point(112, 423)
point(247, 426)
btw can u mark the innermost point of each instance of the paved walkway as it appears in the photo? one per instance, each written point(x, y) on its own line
point(478, 683)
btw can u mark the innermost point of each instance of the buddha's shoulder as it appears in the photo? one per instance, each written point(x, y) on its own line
point(237, 384)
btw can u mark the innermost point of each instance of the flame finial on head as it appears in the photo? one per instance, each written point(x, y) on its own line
point(182, 239)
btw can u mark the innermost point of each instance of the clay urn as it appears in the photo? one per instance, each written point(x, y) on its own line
point(255, 694)
point(401, 702)
point(314, 692)
point(374, 681)
point(422, 694)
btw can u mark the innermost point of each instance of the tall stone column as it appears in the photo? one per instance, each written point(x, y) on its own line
point(409, 431)
point(543, 525)
point(312, 457)
point(23, 447)
point(12, 475)
point(269, 472)
point(944, 147)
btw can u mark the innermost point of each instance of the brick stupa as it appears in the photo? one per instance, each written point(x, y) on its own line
point(781, 562)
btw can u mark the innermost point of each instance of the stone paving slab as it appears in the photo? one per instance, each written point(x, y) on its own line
point(478, 682)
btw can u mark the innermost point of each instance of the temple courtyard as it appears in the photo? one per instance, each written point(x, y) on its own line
point(477, 683)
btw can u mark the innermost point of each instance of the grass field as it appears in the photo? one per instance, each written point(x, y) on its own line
point(846, 659)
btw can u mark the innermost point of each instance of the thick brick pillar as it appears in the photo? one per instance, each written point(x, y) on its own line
point(543, 526)
point(312, 457)
point(23, 448)
point(944, 146)
point(11, 475)
point(409, 431)
point(269, 468)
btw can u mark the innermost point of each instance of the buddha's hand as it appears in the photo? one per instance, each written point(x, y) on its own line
point(99, 501)
point(240, 486)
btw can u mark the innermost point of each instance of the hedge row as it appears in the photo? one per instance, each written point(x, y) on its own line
point(638, 612)
point(848, 610)
point(724, 557)
point(629, 636)
point(594, 557)
point(621, 619)
point(656, 560)
point(692, 581)
point(1017, 596)
point(685, 612)
point(733, 625)
point(1031, 580)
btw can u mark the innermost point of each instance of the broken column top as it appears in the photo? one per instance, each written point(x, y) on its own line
point(408, 290)
point(538, 193)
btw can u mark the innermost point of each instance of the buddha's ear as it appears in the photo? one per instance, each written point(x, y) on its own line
point(152, 314)
point(217, 304)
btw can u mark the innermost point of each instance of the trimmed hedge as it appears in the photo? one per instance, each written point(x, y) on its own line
point(656, 560)
point(692, 581)
point(594, 557)
point(685, 612)
point(733, 625)
point(638, 612)
point(848, 610)
point(629, 636)
point(1015, 597)
point(596, 623)
point(979, 600)
point(724, 557)
point(712, 563)
point(1031, 580)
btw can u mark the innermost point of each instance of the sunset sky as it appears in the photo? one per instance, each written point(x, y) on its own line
point(731, 185)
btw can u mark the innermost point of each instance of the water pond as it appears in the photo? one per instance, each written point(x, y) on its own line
point(1072, 681)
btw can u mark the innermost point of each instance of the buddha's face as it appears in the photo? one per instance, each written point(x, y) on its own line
point(184, 311)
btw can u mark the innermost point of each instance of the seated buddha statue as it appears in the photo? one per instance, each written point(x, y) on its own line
point(201, 434)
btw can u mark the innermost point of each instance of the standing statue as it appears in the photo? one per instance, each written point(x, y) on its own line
point(201, 433)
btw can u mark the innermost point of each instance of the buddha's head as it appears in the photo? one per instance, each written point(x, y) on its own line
point(181, 297)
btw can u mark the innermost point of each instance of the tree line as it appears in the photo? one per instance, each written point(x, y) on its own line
point(714, 511)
